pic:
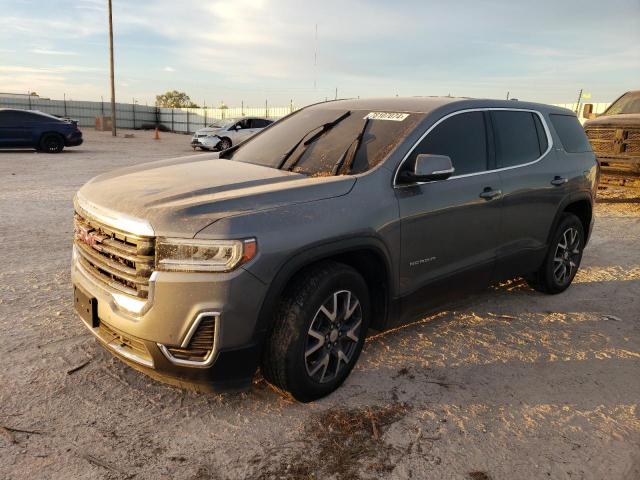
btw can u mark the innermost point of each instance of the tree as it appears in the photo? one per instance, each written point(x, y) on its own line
point(175, 99)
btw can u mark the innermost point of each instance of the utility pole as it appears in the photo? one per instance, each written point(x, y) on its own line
point(578, 104)
point(315, 59)
point(113, 85)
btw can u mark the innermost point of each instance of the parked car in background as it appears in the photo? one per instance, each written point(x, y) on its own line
point(615, 134)
point(282, 252)
point(34, 129)
point(226, 133)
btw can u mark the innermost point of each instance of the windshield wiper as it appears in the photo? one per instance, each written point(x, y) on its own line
point(323, 129)
point(346, 160)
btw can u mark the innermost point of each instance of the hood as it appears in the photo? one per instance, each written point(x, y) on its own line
point(180, 197)
point(624, 120)
point(208, 130)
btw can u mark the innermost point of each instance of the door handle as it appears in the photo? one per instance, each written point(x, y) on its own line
point(559, 181)
point(489, 193)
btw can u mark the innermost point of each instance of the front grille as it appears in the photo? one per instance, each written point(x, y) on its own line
point(614, 142)
point(201, 344)
point(127, 346)
point(117, 259)
point(110, 335)
point(601, 133)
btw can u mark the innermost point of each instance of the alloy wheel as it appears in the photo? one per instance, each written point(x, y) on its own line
point(52, 146)
point(567, 255)
point(333, 336)
point(224, 144)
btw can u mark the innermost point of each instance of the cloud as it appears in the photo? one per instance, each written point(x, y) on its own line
point(256, 49)
point(51, 69)
point(40, 51)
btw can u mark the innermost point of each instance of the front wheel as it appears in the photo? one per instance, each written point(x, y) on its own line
point(563, 257)
point(224, 144)
point(319, 331)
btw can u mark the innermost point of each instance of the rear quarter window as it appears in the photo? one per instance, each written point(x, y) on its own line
point(571, 133)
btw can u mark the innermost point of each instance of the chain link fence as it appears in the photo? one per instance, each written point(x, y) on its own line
point(135, 116)
point(181, 120)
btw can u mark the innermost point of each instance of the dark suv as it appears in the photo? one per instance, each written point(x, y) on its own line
point(33, 129)
point(282, 252)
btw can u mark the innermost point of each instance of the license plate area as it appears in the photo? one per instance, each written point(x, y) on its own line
point(86, 306)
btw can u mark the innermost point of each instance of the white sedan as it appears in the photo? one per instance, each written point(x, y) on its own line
point(226, 133)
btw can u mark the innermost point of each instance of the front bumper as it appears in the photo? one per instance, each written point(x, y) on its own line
point(176, 302)
point(205, 142)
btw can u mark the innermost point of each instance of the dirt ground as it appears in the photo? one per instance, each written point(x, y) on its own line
point(510, 384)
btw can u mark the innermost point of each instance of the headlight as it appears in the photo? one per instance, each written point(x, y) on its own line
point(182, 255)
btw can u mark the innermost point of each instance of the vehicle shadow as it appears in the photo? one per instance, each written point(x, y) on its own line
point(27, 151)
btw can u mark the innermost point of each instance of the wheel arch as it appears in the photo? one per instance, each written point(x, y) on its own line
point(368, 256)
point(49, 132)
point(581, 205)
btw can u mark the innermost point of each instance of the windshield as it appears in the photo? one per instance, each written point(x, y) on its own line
point(628, 103)
point(223, 123)
point(320, 156)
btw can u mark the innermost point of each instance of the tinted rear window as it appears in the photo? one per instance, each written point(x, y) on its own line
point(516, 138)
point(260, 123)
point(462, 138)
point(571, 133)
point(23, 117)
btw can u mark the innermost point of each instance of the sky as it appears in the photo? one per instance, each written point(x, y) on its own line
point(249, 51)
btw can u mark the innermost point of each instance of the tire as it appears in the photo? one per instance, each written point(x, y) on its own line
point(314, 345)
point(52, 143)
point(224, 144)
point(561, 263)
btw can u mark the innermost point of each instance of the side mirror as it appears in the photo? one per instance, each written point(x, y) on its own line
point(429, 168)
point(587, 111)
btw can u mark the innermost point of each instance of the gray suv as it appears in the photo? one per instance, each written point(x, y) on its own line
point(344, 217)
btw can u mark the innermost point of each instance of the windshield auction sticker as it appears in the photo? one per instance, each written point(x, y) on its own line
point(391, 116)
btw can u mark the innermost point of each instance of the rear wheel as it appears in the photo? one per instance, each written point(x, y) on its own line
point(563, 257)
point(52, 143)
point(319, 331)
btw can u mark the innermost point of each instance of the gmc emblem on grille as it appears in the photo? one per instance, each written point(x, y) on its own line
point(87, 236)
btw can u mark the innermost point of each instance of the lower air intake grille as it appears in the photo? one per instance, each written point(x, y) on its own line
point(200, 346)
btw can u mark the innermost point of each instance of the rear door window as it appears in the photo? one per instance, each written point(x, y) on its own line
point(543, 141)
point(571, 133)
point(462, 138)
point(260, 123)
point(517, 137)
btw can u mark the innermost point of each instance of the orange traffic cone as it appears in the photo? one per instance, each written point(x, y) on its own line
point(157, 137)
